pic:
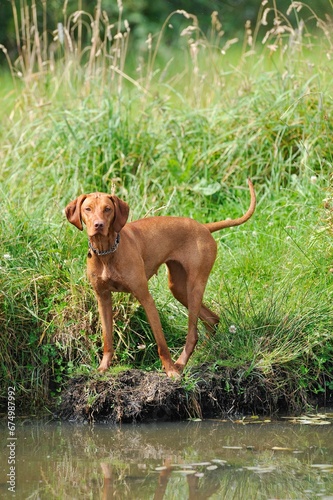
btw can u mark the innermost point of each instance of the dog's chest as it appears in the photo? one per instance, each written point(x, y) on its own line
point(105, 277)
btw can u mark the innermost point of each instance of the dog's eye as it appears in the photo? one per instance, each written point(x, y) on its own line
point(107, 209)
point(87, 209)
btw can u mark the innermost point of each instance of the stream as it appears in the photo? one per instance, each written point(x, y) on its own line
point(242, 459)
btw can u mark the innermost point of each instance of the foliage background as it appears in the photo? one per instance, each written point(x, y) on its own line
point(147, 17)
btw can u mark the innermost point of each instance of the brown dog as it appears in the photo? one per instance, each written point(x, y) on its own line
point(123, 257)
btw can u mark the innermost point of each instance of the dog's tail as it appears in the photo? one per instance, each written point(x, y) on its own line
point(216, 226)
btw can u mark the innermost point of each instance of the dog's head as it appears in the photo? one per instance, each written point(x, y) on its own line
point(100, 212)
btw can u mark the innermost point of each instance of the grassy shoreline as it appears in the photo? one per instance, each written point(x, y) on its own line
point(173, 146)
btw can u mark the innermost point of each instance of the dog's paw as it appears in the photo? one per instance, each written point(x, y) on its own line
point(175, 371)
point(102, 369)
point(105, 363)
point(174, 374)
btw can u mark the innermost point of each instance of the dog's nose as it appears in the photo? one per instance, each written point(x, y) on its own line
point(98, 224)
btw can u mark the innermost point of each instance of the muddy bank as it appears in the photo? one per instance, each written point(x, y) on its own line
point(138, 396)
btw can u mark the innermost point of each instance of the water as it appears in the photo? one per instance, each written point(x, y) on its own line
point(188, 460)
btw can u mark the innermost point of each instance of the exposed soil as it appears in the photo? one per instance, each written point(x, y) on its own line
point(138, 396)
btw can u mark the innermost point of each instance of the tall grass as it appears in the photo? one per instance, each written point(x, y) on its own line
point(176, 137)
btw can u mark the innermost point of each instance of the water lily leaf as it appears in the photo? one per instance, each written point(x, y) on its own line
point(314, 422)
point(317, 419)
point(322, 466)
point(261, 469)
point(233, 447)
point(185, 471)
point(200, 464)
point(280, 448)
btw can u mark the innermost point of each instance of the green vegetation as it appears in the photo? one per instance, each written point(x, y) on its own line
point(143, 17)
point(174, 137)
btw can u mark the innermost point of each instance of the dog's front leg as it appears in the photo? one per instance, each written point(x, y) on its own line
point(105, 311)
point(148, 304)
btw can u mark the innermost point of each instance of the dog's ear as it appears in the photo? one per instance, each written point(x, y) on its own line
point(121, 213)
point(73, 211)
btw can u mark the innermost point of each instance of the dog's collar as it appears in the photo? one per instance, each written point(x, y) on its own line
point(106, 252)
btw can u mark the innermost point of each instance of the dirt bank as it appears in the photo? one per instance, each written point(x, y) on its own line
point(138, 396)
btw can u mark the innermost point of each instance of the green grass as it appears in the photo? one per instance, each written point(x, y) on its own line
point(171, 145)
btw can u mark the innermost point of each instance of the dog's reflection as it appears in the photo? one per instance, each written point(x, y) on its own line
point(197, 488)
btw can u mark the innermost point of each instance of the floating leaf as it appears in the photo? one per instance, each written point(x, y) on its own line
point(323, 466)
point(280, 448)
point(184, 466)
point(261, 469)
point(318, 419)
point(200, 464)
point(314, 422)
point(254, 419)
point(233, 447)
point(186, 471)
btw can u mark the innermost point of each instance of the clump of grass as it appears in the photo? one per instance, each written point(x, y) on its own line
point(328, 207)
point(276, 314)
